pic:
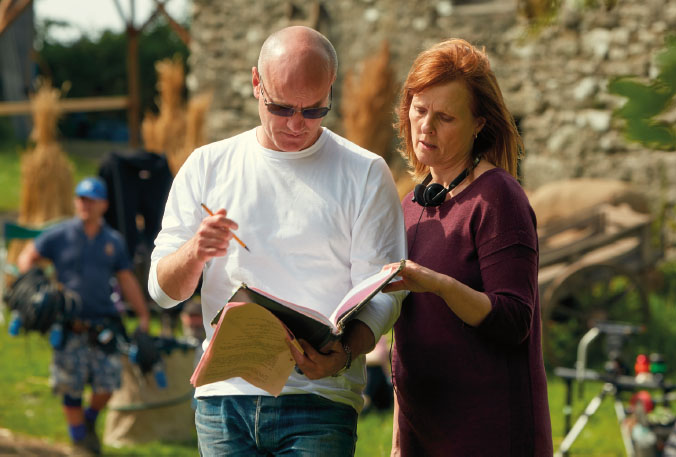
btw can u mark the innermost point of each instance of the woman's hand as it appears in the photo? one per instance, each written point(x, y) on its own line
point(470, 305)
point(415, 278)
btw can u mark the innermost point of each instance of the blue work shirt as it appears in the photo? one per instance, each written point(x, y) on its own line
point(86, 266)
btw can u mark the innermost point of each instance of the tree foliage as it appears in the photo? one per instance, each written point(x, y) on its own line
point(93, 67)
point(648, 102)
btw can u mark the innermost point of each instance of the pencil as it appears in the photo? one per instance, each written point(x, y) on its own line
point(233, 235)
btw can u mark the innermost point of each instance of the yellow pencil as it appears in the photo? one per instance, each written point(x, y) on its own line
point(233, 235)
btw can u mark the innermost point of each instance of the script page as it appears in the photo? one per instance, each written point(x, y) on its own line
point(249, 342)
point(303, 322)
point(363, 292)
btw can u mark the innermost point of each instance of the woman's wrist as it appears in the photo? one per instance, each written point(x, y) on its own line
point(442, 285)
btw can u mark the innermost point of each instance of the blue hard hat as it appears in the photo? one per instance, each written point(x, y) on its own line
point(93, 188)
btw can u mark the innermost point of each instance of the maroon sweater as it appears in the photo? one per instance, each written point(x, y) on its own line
point(474, 391)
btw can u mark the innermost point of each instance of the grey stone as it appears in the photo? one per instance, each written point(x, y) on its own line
point(444, 8)
point(554, 78)
point(597, 120)
point(585, 89)
point(596, 42)
point(371, 15)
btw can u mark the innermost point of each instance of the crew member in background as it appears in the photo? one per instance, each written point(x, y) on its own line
point(87, 254)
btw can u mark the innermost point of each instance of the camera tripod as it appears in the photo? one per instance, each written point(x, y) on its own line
point(614, 383)
point(610, 388)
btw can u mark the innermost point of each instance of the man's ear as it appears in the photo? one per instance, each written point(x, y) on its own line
point(255, 82)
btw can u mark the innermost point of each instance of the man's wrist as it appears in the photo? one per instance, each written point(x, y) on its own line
point(348, 360)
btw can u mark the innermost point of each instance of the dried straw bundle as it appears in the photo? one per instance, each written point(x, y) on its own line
point(151, 140)
point(170, 126)
point(195, 136)
point(46, 173)
point(174, 132)
point(368, 104)
point(368, 112)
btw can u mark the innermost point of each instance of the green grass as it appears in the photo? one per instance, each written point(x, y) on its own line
point(9, 177)
point(27, 407)
point(10, 169)
point(374, 434)
point(600, 437)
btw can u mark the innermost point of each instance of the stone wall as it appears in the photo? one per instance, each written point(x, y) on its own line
point(226, 38)
point(554, 79)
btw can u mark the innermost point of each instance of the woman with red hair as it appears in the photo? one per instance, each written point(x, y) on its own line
point(468, 370)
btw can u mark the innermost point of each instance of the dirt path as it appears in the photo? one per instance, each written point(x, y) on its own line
point(18, 446)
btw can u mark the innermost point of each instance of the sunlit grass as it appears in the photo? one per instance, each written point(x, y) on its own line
point(27, 407)
point(10, 172)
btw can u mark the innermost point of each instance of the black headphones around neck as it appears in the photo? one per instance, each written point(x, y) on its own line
point(435, 194)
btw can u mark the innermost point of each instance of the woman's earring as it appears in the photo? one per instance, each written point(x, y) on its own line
point(475, 135)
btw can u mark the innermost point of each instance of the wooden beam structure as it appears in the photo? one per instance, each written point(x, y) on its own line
point(179, 30)
point(70, 105)
point(133, 80)
point(10, 10)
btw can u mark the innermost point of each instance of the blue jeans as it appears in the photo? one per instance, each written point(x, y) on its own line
point(292, 425)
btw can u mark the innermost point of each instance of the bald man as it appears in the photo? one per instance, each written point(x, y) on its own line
point(319, 214)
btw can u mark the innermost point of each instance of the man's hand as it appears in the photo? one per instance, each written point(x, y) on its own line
point(179, 273)
point(28, 257)
point(332, 358)
point(315, 364)
point(131, 291)
point(213, 236)
point(144, 323)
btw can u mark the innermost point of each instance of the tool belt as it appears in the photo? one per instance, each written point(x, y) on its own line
point(103, 333)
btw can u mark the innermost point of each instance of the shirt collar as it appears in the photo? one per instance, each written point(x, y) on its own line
point(316, 146)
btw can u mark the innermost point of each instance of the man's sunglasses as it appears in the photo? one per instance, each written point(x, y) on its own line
point(288, 111)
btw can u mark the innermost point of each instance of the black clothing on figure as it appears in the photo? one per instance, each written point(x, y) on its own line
point(138, 184)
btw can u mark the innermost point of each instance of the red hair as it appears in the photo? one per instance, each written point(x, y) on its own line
point(455, 59)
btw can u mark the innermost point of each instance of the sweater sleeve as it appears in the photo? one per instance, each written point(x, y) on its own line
point(510, 280)
point(507, 249)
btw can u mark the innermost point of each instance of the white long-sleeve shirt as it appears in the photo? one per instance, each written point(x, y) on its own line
point(317, 222)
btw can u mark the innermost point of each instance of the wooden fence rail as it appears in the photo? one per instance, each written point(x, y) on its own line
point(69, 105)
